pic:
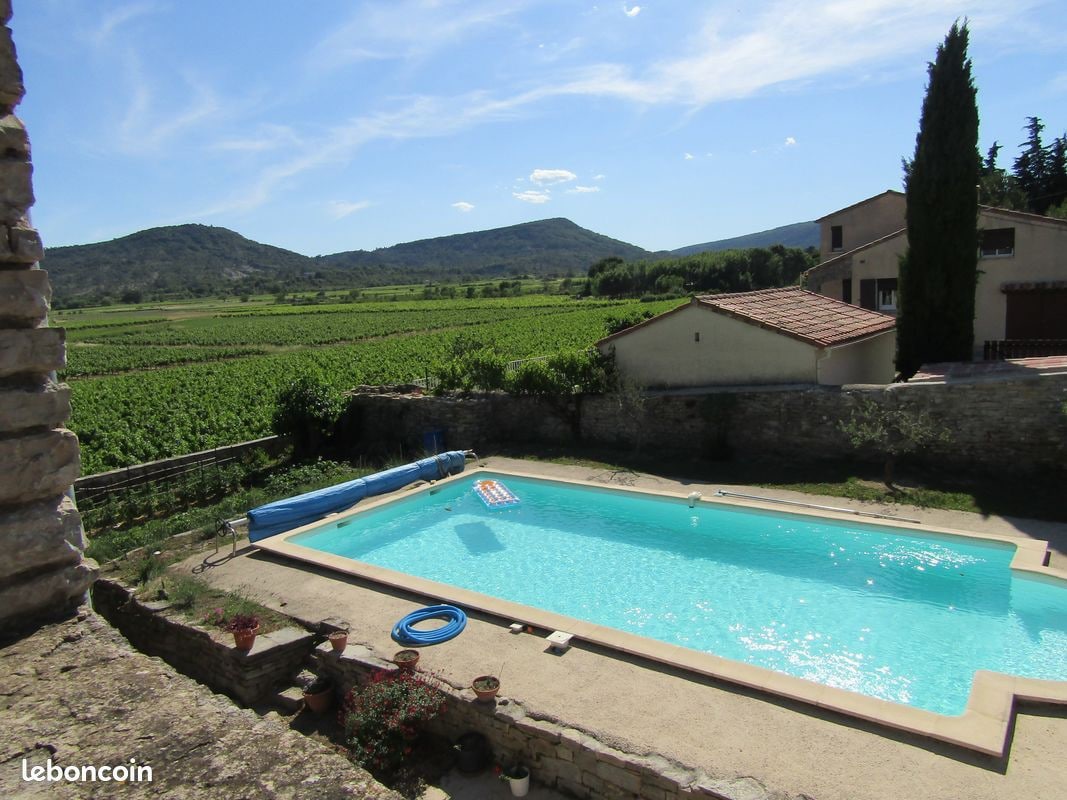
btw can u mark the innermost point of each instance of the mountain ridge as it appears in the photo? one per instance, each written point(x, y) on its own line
point(199, 260)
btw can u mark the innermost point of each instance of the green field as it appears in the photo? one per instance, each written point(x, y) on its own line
point(152, 381)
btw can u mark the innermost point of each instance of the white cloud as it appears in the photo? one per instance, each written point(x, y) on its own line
point(631, 12)
point(550, 176)
point(532, 197)
point(339, 209)
point(688, 156)
point(268, 137)
point(1059, 83)
point(406, 30)
point(149, 123)
point(463, 206)
point(790, 141)
point(599, 177)
point(583, 190)
point(109, 23)
point(726, 57)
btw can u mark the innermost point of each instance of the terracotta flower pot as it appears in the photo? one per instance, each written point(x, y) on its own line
point(338, 640)
point(319, 701)
point(244, 638)
point(406, 659)
point(485, 686)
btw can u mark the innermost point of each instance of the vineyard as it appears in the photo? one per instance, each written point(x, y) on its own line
point(152, 383)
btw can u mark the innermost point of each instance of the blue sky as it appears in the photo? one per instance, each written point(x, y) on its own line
point(329, 126)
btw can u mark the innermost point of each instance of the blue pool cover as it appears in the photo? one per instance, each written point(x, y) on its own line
point(284, 515)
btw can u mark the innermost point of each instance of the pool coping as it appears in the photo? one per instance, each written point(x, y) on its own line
point(983, 726)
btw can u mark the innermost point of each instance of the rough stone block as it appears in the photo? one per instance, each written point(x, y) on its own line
point(11, 86)
point(24, 244)
point(16, 187)
point(22, 601)
point(40, 534)
point(36, 350)
point(47, 406)
point(25, 295)
point(38, 466)
point(617, 776)
point(13, 139)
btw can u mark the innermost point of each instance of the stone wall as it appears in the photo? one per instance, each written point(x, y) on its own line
point(1018, 424)
point(42, 572)
point(207, 656)
point(557, 755)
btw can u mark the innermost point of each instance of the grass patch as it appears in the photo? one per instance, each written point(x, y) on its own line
point(205, 605)
point(855, 488)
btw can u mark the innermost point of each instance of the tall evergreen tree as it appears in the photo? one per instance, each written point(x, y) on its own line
point(1031, 168)
point(939, 272)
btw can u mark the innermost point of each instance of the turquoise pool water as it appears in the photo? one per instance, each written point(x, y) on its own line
point(903, 618)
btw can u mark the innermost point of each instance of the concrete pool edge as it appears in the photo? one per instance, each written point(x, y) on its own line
point(983, 727)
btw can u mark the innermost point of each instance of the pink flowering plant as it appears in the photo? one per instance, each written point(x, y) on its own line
point(383, 718)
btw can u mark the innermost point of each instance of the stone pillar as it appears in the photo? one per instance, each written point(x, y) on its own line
point(42, 572)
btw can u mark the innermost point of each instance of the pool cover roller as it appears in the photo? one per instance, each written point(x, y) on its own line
point(284, 515)
point(455, 622)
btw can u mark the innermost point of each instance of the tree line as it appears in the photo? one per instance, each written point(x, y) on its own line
point(709, 272)
point(1037, 181)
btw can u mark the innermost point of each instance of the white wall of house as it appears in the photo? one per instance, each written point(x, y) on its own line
point(1040, 255)
point(667, 352)
point(866, 361)
point(863, 223)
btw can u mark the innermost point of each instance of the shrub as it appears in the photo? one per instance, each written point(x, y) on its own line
point(383, 719)
point(307, 411)
point(892, 431)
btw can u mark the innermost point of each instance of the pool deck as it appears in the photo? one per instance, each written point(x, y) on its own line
point(642, 707)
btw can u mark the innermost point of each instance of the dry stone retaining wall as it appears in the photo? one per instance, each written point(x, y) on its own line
point(1019, 424)
point(42, 572)
point(209, 657)
point(558, 756)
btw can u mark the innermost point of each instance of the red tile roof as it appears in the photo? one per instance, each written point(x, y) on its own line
point(809, 317)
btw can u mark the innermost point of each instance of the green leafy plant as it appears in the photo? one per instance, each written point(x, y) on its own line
point(891, 430)
point(307, 411)
point(383, 718)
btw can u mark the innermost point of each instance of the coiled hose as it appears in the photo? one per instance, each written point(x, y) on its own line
point(455, 622)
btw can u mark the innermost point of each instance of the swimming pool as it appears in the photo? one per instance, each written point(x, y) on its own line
point(894, 614)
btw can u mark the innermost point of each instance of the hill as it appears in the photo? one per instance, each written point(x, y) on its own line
point(799, 234)
point(200, 260)
point(178, 260)
point(549, 246)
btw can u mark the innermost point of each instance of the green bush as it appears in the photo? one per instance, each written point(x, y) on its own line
point(306, 411)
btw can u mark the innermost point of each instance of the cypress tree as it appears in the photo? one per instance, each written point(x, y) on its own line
point(939, 272)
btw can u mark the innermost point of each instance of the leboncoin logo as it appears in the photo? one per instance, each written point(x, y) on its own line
point(51, 773)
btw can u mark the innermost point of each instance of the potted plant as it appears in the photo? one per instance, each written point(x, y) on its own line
point(406, 659)
point(517, 778)
point(338, 641)
point(244, 628)
point(486, 686)
point(318, 696)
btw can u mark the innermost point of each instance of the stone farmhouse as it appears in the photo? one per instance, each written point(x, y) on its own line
point(1021, 298)
point(771, 336)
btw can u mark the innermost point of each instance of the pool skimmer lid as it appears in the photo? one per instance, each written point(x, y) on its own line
point(559, 640)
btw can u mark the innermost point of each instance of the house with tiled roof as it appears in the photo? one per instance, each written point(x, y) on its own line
point(1021, 296)
point(771, 336)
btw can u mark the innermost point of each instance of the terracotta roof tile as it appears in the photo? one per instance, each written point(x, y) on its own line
point(804, 315)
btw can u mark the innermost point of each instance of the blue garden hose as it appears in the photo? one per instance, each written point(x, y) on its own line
point(455, 622)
